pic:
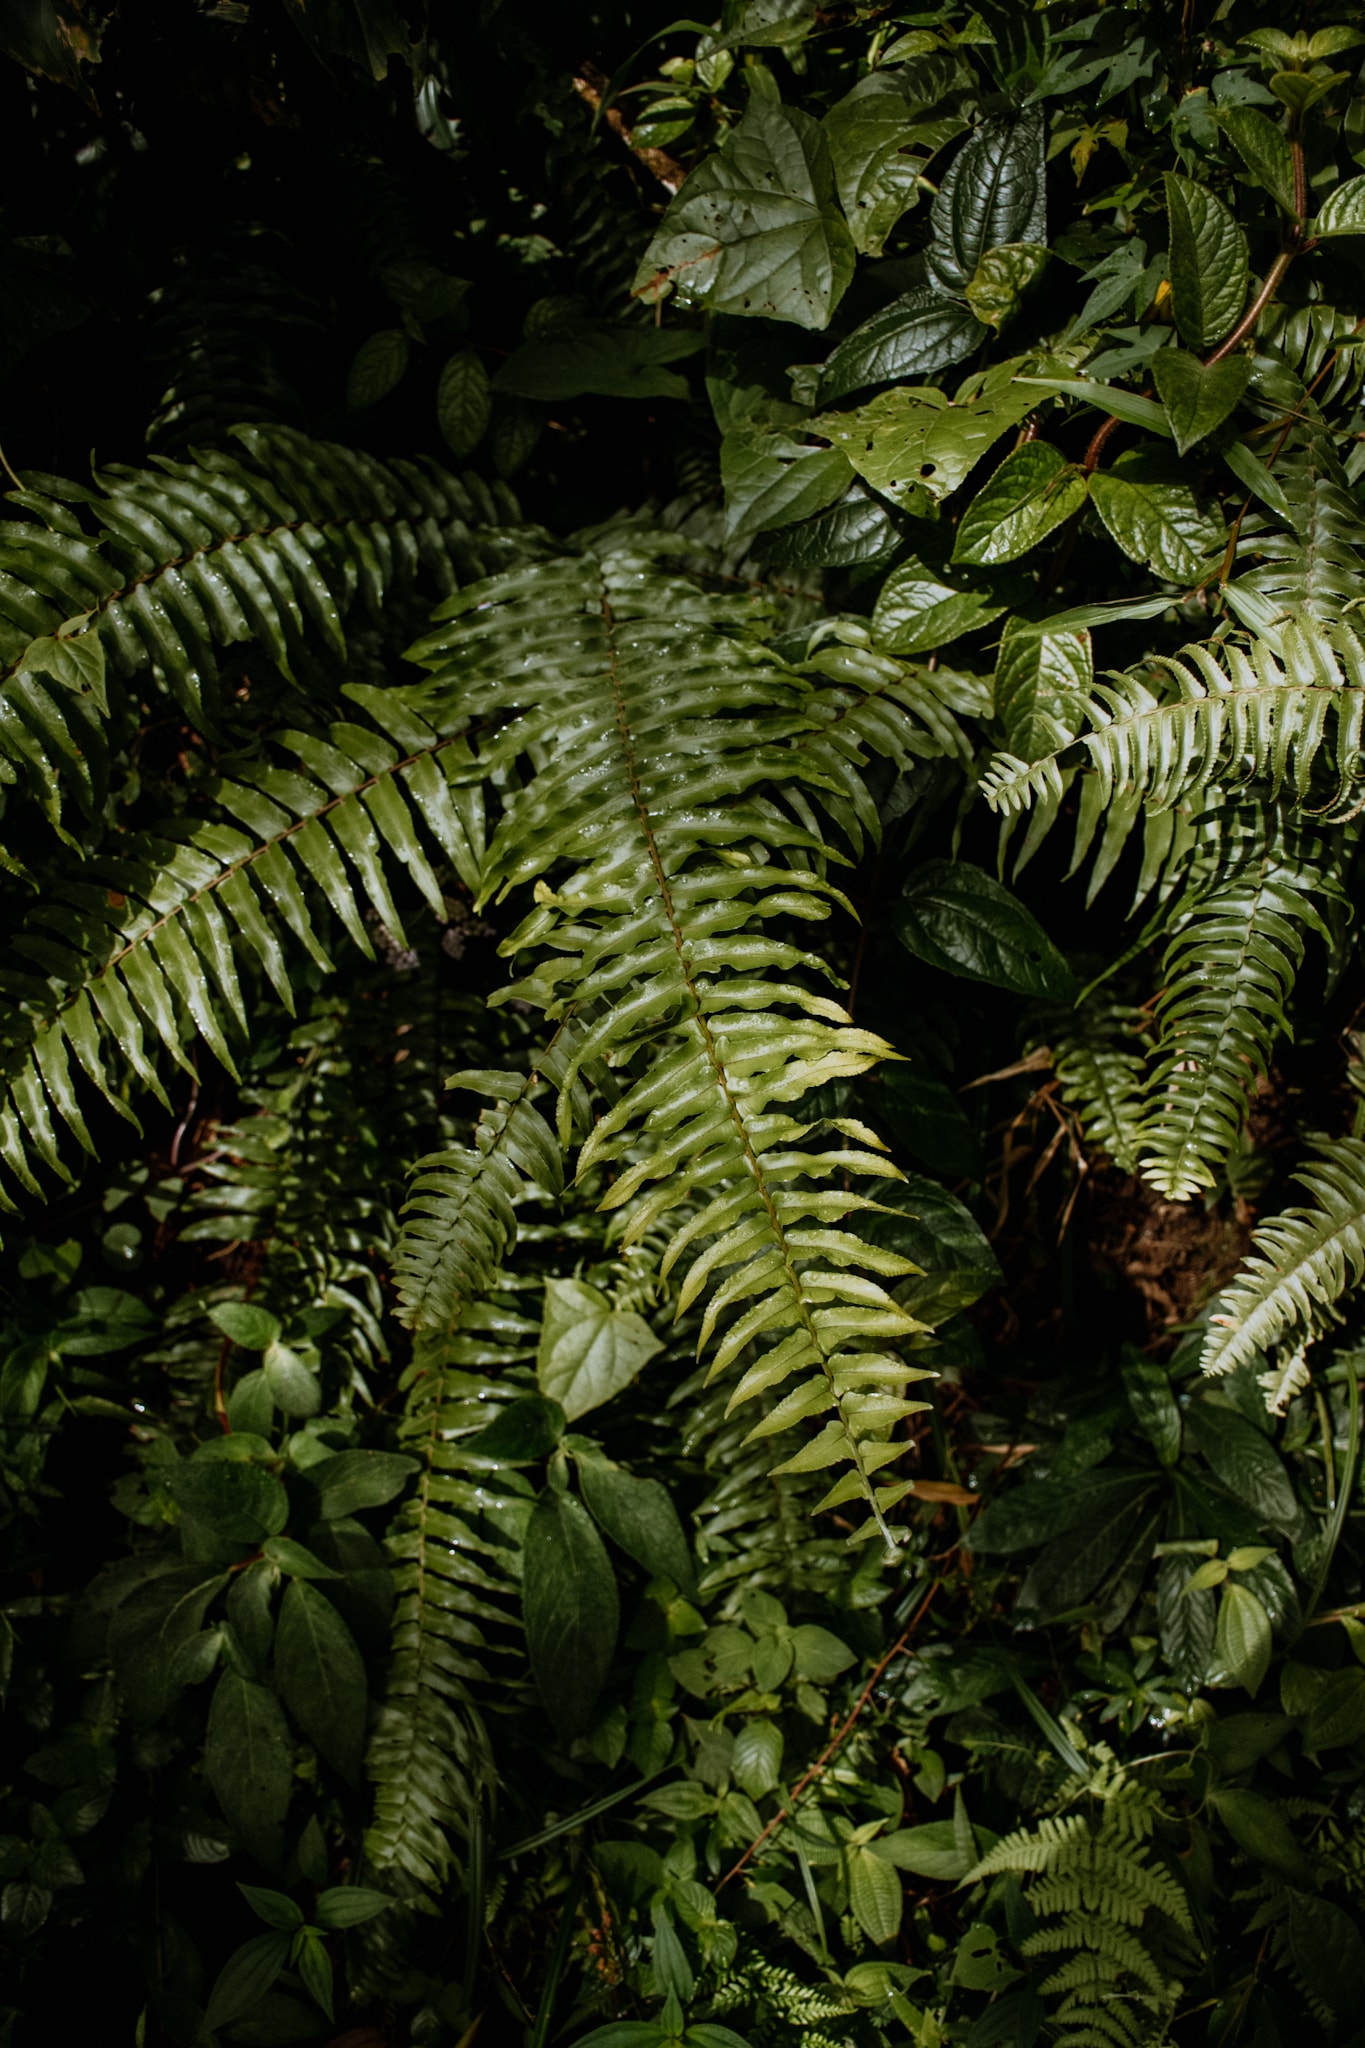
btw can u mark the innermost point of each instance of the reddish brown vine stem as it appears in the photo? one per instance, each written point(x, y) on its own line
point(836, 1741)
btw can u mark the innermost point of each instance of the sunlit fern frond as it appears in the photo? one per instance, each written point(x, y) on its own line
point(650, 725)
point(1301, 1264)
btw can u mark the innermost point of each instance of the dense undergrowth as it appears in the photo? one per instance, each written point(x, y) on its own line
point(681, 731)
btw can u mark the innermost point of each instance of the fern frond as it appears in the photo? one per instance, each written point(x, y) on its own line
point(1237, 713)
point(456, 1559)
point(1314, 566)
point(1300, 1265)
point(1229, 968)
point(1097, 1058)
point(189, 557)
point(654, 724)
point(141, 948)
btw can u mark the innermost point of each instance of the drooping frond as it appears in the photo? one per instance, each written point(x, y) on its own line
point(1234, 951)
point(138, 952)
point(154, 571)
point(459, 1224)
point(1177, 724)
point(1301, 1264)
point(664, 876)
point(456, 1565)
point(1098, 1058)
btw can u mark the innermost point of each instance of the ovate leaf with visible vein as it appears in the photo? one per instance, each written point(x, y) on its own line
point(1153, 514)
point(250, 1762)
point(960, 919)
point(1242, 1645)
point(874, 1893)
point(588, 1349)
point(378, 366)
point(1198, 396)
point(321, 1676)
point(1042, 685)
point(916, 446)
point(639, 1515)
point(917, 611)
point(755, 230)
point(1209, 263)
point(880, 152)
point(1001, 279)
point(570, 1606)
point(464, 403)
point(1032, 491)
point(1343, 211)
point(151, 1630)
point(1263, 148)
point(771, 480)
point(995, 191)
point(913, 337)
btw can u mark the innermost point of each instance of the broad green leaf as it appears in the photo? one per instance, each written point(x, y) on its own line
point(1247, 1463)
point(756, 1764)
point(1342, 212)
point(245, 1978)
point(857, 531)
point(880, 152)
point(916, 611)
point(771, 480)
point(100, 1320)
point(293, 1388)
point(1187, 1622)
point(321, 1677)
point(1198, 396)
point(225, 1505)
point(150, 1633)
point(1043, 680)
point(1242, 1645)
point(1032, 491)
point(295, 1560)
point(1337, 1716)
point(922, 1221)
point(250, 1762)
point(464, 402)
point(818, 1654)
point(962, 921)
point(277, 1909)
point(1258, 1827)
point(1153, 514)
point(1263, 148)
point(933, 1850)
point(249, 1609)
point(75, 660)
point(314, 1965)
point(755, 229)
point(1001, 279)
point(978, 1964)
point(378, 366)
point(995, 191)
point(602, 358)
point(1111, 398)
point(516, 430)
point(874, 1893)
point(1209, 263)
point(917, 446)
point(639, 1515)
point(353, 1480)
point(589, 1350)
point(914, 336)
point(525, 1430)
point(1073, 1566)
point(570, 1608)
point(1153, 1404)
point(255, 1329)
point(672, 1970)
point(1328, 1951)
point(349, 1905)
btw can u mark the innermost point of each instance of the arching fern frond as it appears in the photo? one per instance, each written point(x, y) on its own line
point(456, 1556)
point(1301, 1264)
point(138, 952)
point(1097, 1055)
point(1229, 967)
point(1236, 714)
point(154, 571)
point(652, 723)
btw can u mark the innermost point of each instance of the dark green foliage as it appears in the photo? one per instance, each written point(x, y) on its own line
point(629, 1110)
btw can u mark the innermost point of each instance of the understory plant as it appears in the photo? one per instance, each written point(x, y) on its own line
point(682, 740)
